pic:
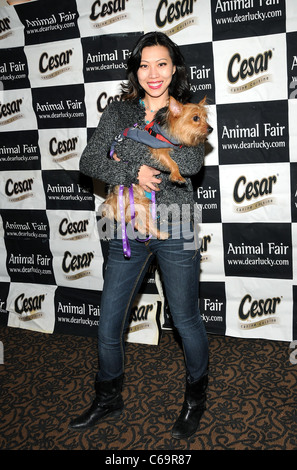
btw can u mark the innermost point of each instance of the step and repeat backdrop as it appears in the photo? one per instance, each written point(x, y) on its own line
point(61, 63)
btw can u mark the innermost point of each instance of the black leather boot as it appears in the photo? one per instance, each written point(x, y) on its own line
point(192, 410)
point(108, 402)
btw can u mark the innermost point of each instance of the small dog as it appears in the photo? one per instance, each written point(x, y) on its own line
point(186, 124)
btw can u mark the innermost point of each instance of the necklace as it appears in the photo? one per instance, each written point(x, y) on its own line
point(145, 107)
point(142, 103)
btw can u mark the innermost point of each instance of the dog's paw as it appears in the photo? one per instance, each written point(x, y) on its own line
point(177, 179)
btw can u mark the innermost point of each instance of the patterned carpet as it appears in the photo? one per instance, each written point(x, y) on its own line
point(48, 379)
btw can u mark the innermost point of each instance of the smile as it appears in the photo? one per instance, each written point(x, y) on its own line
point(155, 85)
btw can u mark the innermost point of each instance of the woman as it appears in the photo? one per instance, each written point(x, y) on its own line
point(156, 71)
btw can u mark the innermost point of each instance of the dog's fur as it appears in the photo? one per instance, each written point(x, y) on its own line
point(188, 125)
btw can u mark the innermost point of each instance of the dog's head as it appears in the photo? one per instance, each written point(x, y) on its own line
point(187, 123)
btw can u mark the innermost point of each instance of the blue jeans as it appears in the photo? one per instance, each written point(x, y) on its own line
point(179, 261)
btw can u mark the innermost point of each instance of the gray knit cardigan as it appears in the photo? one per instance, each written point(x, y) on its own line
point(95, 160)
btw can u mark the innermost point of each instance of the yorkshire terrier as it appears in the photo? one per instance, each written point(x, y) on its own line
point(184, 123)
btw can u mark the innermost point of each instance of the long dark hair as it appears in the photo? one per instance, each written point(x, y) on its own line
point(179, 87)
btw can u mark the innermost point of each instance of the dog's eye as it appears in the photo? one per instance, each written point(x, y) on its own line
point(196, 118)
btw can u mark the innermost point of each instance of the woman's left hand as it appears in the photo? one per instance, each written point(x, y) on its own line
point(116, 158)
point(147, 178)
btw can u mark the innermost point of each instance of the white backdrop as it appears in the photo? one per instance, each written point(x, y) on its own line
point(61, 63)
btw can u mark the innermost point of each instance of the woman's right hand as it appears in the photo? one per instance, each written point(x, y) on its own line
point(147, 178)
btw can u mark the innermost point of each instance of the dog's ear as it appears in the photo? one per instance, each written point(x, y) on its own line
point(203, 101)
point(175, 107)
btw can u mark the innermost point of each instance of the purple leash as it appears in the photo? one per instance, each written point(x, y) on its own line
point(125, 241)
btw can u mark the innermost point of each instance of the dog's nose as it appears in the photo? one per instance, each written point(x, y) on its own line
point(209, 129)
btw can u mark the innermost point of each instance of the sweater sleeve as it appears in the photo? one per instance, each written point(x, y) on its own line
point(189, 159)
point(95, 160)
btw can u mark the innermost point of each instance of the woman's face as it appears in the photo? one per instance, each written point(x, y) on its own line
point(155, 71)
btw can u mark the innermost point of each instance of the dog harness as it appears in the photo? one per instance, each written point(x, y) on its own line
point(152, 135)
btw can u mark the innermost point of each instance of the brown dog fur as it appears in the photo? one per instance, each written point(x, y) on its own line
point(188, 125)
